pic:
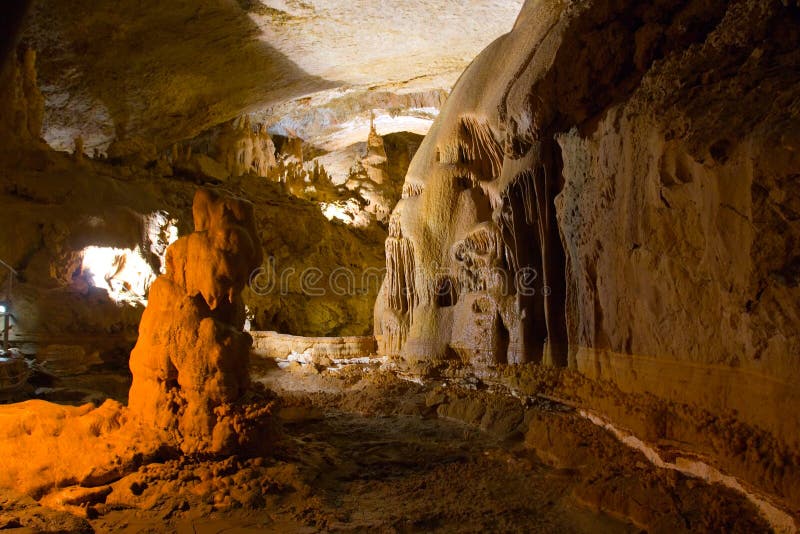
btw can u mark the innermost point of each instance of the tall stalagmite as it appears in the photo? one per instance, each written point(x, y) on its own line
point(190, 364)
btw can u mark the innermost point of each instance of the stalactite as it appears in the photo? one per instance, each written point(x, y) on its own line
point(394, 227)
point(474, 149)
point(482, 240)
point(505, 222)
point(401, 293)
point(479, 254)
point(495, 197)
point(395, 332)
point(525, 180)
point(553, 255)
point(412, 189)
point(531, 241)
point(480, 145)
point(245, 150)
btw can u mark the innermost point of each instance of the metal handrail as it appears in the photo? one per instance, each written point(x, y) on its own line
point(7, 314)
point(10, 268)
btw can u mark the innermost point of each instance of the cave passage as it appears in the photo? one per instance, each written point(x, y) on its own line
point(324, 266)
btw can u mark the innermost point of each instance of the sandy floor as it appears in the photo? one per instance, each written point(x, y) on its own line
point(362, 450)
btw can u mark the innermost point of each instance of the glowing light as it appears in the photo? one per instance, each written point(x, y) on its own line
point(347, 211)
point(249, 317)
point(122, 272)
point(357, 130)
point(2, 309)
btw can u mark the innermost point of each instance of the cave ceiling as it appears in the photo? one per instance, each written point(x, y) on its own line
point(165, 71)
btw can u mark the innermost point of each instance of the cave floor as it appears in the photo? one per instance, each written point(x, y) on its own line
point(351, 473)
point(362, 450)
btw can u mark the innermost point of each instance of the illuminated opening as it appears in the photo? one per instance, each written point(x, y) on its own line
point(347, 211)
point(161, 233)
point(122, 272)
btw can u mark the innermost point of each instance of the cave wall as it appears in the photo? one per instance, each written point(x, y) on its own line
point(55, 204)
point(612, 187)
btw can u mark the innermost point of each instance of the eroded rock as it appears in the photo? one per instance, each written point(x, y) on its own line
point(610, 187)
point(190, 364)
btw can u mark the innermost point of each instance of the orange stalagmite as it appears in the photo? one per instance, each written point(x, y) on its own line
point(191, 360)
point(191, 389)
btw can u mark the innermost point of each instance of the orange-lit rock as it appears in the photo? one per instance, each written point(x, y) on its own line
point(190, 372)
point(45, 446)
point(190, 364)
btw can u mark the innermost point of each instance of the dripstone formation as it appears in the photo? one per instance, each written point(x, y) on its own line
point(190, 364)
point(612, 188)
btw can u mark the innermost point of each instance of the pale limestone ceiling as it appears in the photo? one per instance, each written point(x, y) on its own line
point(167, 69)
point(365, 42)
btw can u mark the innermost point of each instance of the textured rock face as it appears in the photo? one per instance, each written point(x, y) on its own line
point(236, 149)
point(613, 187)
point(50, 199)
point(275, 345)
point(22, 111)
point(197, 64)
point(191, 361)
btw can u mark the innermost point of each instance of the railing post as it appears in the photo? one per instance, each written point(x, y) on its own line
point(6, 325)
point(7, 309)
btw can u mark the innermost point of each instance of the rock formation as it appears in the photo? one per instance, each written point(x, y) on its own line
point(190, 364)
point(597, 247)
point(191, 388)
point(244, 150)
point(375, 160)
point(613, 187)
point(22, 111)
point(378, 190)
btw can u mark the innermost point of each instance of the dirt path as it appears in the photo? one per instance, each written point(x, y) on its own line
point(351, 473)
point(361, 450)
point(407, 474)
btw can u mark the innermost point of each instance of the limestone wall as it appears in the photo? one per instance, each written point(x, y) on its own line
point(613, 187)
point(275, 345)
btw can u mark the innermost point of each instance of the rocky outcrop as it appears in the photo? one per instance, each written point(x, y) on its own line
point(191, 388)
point(613, 187)
point(277, 345)
point(190, 364)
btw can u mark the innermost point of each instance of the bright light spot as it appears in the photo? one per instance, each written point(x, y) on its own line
point(347, 211)
point(433, 112)
point(357, 129)
point(2, 309)
point(122, 272)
